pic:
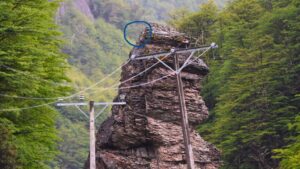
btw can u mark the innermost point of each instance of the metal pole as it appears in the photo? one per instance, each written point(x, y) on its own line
point(184, 118)
point(92, 137)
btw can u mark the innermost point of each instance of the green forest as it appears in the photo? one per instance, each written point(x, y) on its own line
point(52, 49)
point(252, 90)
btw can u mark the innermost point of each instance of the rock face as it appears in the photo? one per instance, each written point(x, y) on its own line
point(146, 133)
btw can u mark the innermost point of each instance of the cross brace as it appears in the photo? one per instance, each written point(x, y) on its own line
point(173, 53)
point(86, 104)
point(156, 55)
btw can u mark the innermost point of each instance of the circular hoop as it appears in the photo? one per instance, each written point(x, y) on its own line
point(148, 37)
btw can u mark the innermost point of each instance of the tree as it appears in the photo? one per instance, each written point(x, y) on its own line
point(252, 91)
point(8, 154)
point(31, 65)
point(198, 24)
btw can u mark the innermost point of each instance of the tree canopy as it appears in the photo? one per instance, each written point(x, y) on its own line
point(31, 65)
point(253, 88)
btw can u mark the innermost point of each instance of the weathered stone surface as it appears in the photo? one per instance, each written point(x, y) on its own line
point(146, 133)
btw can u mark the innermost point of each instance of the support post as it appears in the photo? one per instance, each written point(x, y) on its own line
point(92, 119)
point(92, 137)
point(184, 118)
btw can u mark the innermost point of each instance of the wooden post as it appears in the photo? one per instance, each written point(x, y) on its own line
point(92, 137)
point(184, 119)
point(92, 119)
point(202, 37)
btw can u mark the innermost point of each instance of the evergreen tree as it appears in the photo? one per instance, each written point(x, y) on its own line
point(252, 90)
point(7, 149)
point(31, 65)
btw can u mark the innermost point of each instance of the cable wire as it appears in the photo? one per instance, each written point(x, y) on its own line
point(95, 84)
point(26, 108)
point(140, 73)
point(27, 98)
point(100, 81)
point(144, 84)
point(45, 104)
point(114, 86)
point(44, 98)
point(144, 71)
point(26, 73)
point(64, 97)
point(200, 55)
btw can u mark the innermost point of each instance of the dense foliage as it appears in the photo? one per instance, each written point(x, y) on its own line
point(253, 88)
point(31, 65)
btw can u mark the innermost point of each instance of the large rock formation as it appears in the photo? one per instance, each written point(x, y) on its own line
point(146, 133)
